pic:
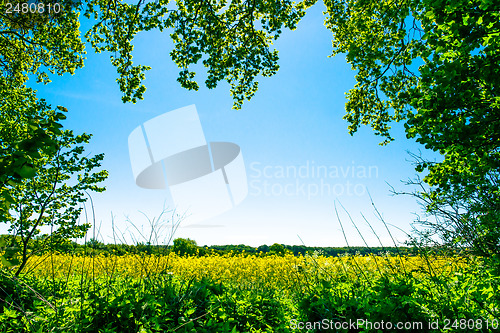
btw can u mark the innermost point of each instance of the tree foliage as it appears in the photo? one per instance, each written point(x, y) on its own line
point(435, 66)
point(32, 45)
point(43, 175)
point(25, 134)
point(232, 40)
point(54, 197)
point(39, 44)
point(185, 246)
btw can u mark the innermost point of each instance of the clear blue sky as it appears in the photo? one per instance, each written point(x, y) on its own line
point(295, 120)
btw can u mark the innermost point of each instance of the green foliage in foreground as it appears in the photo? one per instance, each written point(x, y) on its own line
point(164, 303)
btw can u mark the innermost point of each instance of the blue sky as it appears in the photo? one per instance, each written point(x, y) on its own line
point(295, 120)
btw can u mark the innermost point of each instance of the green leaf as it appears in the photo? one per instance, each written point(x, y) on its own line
point(27, 171)
point(11, 313)
point(8, 263)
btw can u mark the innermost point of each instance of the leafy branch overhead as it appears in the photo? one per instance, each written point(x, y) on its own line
point(44, 178)
point(35, 44)
point(234, 40)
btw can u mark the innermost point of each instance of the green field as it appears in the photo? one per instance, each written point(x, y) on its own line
point(250, 293)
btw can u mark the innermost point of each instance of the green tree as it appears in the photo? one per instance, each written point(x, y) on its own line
point(38, 161)
point(25, 134)
point(433, 65)
point(277, 249)
point(53, 198)
point(31, 45)
point(263, 248)
point(185, 246)
point(44, 178)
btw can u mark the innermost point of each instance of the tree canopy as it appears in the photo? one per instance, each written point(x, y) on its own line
point(32, 45)
point(435, 66)
point(39, 160)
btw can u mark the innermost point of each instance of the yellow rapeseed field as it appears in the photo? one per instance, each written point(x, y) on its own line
point(282, 272)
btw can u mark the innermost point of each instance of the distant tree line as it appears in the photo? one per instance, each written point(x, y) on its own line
point(186, 246)
point(303, 250)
